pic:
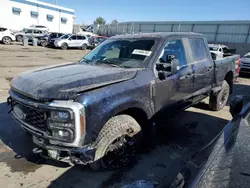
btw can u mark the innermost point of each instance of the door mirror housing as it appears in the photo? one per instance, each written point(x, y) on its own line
point(168, 67)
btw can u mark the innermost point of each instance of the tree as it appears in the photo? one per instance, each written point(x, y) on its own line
point(114, 21)
point(100, 21)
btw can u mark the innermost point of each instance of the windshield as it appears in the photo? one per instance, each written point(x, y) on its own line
point(247, 55)
point(65, 36)
point(125, 53)
point(213, 48)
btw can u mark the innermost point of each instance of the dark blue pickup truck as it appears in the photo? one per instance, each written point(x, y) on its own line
point(95, 111)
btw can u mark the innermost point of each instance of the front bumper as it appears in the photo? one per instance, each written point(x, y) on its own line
point(82, 155)
point(72, 151)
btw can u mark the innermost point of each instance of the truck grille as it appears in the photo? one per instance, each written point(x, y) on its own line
point(35, 117)
point(32, 116)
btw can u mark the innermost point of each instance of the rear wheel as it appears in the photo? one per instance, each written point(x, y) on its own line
point(117, 143)
point(19, 38)
point(6, 40)
point(84, 47)
point(219, 100)
point(64, 46)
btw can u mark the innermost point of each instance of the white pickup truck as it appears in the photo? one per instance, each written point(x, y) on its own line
point(218, 51)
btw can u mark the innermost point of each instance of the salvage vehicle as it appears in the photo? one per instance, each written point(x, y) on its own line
point(245, 63)
point(97, 111)
point(6, 36)
point(94, 41)
point(219, 51)
point(44, 40)
point(72, 41)
point(29, 33)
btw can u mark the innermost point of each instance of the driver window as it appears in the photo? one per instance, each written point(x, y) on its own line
point(174, 47)
point(112, 52)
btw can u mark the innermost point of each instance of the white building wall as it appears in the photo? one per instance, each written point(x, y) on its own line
point(18, 22)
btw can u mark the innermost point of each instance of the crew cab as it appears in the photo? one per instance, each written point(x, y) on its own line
point(97, 110)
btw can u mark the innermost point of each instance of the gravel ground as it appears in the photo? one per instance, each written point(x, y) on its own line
point(175, 144)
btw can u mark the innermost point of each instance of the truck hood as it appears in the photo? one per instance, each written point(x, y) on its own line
point(66, 81)
point(245, 60)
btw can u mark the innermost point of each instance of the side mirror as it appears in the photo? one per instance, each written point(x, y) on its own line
point(70, 39)
point(236, 105)
point(168, 67)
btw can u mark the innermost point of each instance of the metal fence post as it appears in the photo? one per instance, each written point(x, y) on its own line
point(192, 28)
point(248, 31)
point(139, 28)
point(172, 27)
point(154, 28)
point(216, 33)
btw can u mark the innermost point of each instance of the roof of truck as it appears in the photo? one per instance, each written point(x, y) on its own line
point(157, 35)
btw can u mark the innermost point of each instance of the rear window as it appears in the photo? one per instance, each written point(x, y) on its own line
point(198, 48)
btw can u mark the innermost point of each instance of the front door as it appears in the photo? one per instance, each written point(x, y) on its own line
point(177, 89)
point(72, 42)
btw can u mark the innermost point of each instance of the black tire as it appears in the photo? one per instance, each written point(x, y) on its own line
point(6, 40)
point(84, 46)
point(19, 38)
point(219, 100)
point(64, 46)
point(120, 133)
point(44, 43)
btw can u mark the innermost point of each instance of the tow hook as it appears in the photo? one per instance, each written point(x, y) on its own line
point(37, 151)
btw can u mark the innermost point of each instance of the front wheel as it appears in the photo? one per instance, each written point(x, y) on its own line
point(44, 43)
point(219, 100)
point(64, 46)
point(6, 40)
point(19, 38)
point(117, 143)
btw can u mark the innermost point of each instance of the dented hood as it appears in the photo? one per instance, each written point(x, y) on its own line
point(66, 81)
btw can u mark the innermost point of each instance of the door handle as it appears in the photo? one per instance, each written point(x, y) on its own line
point(186, 76)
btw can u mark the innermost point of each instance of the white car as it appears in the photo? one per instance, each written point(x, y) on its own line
point(245, 63)
point(39, 27)
point(6, 36)
point(72, 41)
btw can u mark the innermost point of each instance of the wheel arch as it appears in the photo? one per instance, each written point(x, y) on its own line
point(229, 79)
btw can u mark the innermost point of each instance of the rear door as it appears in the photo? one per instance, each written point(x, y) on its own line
point(202, 65)
point(79, 40)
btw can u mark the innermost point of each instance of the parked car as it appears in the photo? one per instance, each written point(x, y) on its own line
point(96, 111)
point(94, 41)
point(29, 33)
point(6, 36)
point(40, 27)
point(227, 164)
point(86, 32)
point(245, 63)
point(72, 41)
point(44, 40)
point(218, 51)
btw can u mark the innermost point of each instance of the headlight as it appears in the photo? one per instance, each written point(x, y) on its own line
point(60, 115)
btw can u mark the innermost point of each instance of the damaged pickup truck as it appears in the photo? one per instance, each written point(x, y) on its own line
point(96, 111)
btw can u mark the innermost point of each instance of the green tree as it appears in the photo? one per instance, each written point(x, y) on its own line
point(114, 21)
point(100, 21)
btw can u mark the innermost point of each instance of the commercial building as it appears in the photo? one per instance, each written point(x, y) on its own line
point(19, 14)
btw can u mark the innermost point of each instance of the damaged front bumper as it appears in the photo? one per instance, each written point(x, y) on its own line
point(81, 155)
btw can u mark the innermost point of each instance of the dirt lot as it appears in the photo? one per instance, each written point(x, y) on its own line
point(185, 134)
